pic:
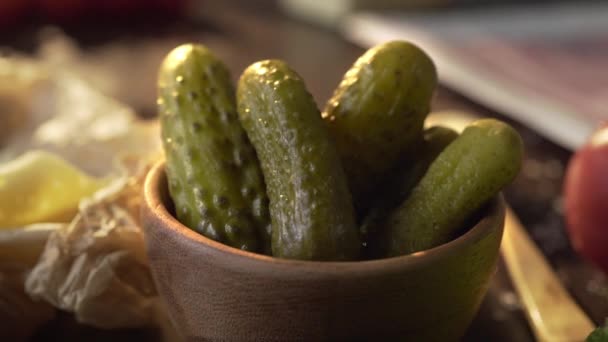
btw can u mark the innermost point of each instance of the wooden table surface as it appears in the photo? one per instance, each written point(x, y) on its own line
point(242, 32)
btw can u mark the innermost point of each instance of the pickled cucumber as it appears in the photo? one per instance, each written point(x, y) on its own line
point(377, 112)
point(435, 140)
point(469, 172)
point(310, 206)
point(214, 176)
point(404, 178)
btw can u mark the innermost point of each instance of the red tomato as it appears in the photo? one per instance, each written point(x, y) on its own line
point(586, 199)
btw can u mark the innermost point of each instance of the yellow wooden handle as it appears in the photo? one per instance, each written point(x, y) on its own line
point(551, 311)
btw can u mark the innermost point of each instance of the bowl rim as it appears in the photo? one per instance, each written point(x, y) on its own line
point(155, 207)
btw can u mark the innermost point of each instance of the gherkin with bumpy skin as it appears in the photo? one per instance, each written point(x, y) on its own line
point(401, 181)
point(376, 114)
point(310, 205)
point(467, 173)
point(213, 173)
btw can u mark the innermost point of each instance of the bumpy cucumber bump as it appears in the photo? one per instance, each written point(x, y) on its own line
point(377, 112)
point(310, 205)
point(214, 177)
point(467, 173)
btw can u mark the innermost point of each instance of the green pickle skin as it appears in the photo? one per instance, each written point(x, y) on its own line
point(435, 140)
point(467, 173)
point(402, 180)
point(376, 114)
point(310, 205)
point(213, 173)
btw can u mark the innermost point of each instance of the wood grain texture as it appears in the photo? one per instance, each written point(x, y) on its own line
point(218, 293)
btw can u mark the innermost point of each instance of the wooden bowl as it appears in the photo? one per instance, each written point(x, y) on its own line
point(218, 293)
